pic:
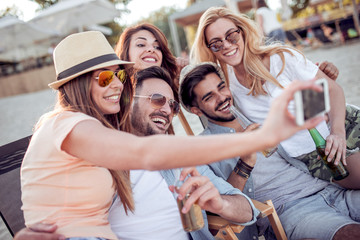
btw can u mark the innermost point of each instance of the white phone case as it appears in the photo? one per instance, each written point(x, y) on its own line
point(299, 103)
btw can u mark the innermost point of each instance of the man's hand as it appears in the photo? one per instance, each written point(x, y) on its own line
point(201, 190)
point(329, 69)
point(231, 207)
point(39, 231)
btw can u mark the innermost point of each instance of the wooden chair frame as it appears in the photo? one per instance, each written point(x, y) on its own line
point(227, 230)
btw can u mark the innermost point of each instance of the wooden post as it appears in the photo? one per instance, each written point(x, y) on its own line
point(185, 123)
point(356, 17)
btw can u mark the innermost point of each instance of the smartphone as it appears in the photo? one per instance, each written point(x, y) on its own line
point(310, 103)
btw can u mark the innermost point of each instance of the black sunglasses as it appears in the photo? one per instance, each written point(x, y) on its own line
point(232, 37)
point(157, 100)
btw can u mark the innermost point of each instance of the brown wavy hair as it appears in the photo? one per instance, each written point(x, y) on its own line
point(75, 96)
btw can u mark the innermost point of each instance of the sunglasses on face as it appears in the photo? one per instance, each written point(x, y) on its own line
point(157, 100)
point(106, 77)
point(232, 37)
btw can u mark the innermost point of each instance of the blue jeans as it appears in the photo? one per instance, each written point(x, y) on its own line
point(321, 215)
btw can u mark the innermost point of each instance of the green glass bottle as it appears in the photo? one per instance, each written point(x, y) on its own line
point(339, 171)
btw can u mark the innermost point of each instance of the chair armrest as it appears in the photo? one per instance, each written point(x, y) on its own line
point(217, 222)
point(265, 209)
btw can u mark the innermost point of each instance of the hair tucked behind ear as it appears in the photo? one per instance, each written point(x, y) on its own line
point(75, 96)
point(254, 48)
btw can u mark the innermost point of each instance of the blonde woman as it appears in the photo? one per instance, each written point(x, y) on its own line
point(257, 74)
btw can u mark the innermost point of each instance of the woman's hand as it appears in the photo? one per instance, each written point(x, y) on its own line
point(336, 148)
point(181, 62)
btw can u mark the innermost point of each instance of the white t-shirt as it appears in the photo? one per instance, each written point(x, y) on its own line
point(256, 108)
point(270, 22)
point(156, 214)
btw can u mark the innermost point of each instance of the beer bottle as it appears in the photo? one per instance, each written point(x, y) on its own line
point(339, 171)
point(244, 122)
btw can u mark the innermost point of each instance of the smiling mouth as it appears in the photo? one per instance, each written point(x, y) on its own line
point(231, 53)
point(224, 107)
point(148, 59)
point(160, 122)
point(113, 97)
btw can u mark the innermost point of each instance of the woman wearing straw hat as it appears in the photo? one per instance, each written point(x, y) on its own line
point(65, 178)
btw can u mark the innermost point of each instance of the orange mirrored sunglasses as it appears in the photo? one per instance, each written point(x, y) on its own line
point(105, 77)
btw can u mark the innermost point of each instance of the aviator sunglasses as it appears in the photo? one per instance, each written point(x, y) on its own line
point(157, 100)
point(233, 37)
point(105, 77)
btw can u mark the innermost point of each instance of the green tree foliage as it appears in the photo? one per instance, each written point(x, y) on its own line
point(160, 19)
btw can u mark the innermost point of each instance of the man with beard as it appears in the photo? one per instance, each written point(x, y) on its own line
point(308, 207)
point(156, 209)
point(156, 214)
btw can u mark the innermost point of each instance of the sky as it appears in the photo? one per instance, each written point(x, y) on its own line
point(138, 8)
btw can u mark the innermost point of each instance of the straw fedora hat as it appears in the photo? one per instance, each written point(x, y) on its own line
point(81, 53)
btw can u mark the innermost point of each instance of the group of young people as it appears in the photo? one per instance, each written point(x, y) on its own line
point(113, 116)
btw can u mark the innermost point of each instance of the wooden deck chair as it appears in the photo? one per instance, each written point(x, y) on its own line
point(11, 156)
point(226, 230)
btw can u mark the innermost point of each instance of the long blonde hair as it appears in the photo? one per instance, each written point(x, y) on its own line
point(75, 96)
point(254, 48)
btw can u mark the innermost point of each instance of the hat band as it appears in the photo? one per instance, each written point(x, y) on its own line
point(87, 64)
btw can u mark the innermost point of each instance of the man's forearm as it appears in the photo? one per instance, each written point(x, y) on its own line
point(236, 208)
point(236, 181)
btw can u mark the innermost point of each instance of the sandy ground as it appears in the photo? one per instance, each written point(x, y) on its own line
point(20, 113)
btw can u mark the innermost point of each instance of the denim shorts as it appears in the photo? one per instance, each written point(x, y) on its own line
point(320, 215)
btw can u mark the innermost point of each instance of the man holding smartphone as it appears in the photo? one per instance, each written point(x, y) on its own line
point(298, 197)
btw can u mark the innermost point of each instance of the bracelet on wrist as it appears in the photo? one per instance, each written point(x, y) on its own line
point(241, 165)
point(241, 173)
